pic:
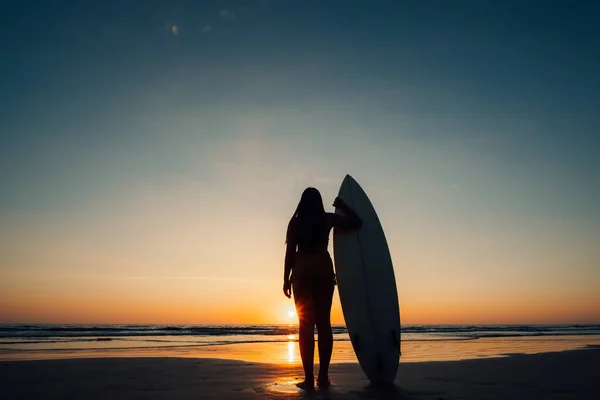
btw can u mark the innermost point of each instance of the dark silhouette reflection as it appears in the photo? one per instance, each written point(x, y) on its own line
point(385, 391)
point(371, 391)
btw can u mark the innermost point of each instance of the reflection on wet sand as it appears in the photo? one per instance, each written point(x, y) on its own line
point(291, 352)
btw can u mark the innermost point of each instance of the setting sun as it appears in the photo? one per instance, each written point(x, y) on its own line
point(291, 314)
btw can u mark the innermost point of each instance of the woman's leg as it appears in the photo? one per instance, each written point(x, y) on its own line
point(323, 297)
point(305, 308)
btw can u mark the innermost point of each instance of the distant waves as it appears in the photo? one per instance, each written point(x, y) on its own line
point(224, 334)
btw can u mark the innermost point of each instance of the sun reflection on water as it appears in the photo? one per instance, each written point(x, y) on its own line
point(291, 352)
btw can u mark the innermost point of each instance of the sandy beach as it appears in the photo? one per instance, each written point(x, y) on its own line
point(557, 375)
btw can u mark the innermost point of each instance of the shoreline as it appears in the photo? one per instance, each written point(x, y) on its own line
point(287, 353)
point(564, 374)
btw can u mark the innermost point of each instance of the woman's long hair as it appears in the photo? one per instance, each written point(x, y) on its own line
point(310, 217)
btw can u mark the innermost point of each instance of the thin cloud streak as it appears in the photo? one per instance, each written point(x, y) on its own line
point(226, 14)
point(198, 278)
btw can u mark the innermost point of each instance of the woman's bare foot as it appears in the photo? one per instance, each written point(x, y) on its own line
point(306, 385)
point(323, 383)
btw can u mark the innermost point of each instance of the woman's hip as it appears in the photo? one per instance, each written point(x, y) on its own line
point(309, 266)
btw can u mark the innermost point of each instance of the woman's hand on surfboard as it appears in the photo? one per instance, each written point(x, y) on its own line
point(352, 218)
point(287, 288)
point(338, 202)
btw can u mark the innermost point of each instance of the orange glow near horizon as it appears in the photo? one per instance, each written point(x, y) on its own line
point(88, 304)
point(106, 312)
point(61, 280)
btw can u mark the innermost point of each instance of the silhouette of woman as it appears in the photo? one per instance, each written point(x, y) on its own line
point(309, 272)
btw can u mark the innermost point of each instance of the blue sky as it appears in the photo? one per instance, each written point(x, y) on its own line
point(131, 129)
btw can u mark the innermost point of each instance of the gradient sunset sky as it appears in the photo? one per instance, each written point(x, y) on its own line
point(152, 153)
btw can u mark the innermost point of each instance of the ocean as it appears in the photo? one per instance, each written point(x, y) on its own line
point(22, 338)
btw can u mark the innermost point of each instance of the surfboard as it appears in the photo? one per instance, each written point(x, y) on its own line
point(367, 288)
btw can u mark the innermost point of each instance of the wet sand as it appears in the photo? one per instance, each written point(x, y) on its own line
point(557, 375)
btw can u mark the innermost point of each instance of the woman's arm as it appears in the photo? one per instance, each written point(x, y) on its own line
point(350, 221)
point(290, 250)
